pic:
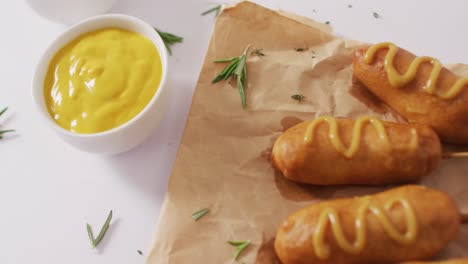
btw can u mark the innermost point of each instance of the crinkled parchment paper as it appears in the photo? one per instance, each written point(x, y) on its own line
point(223, 159)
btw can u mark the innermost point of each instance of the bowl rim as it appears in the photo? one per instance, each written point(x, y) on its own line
point(72, 33)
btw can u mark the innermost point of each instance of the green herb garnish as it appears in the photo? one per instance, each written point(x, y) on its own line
point(327, 22)
point(300, 49)
point(95, 242)
point(257, 52)
point(313, 54)
point(199, 214)
point(236, 69)
point(139, 252)
point(298, 97)
point(216, 9)
point(376, 15)
point(240, 246)
point(7, 130)
point(169, 39)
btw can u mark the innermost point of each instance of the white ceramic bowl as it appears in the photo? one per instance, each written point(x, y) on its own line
point(70, 11)
point(133, 132)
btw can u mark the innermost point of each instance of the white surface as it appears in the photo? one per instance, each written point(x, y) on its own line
point(70, 11)
point(128, 135)
point(49, 190)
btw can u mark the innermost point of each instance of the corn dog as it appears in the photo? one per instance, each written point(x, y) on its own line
point(333, 151)
point(403, 224)
point(418, 88)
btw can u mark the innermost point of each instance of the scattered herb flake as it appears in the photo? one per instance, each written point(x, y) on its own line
point(7, 130)
point(240, 247)
point(350, 6)
point(237, 68)
point(257, 52)
point(169, 39)
point(139, 252)
point(300, 49)
point(105, 227)
point(199, 214)
point(298, 97)
point(376, 15)
point(313, 10)
point(327, 22)
point(3, 111)
point(216, 9)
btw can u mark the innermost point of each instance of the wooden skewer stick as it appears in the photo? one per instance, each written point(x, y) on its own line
point(448, 155)
point(464, 218)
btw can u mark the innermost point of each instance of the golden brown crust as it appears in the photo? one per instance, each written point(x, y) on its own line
point(438, 222)
point(449, 118)
point(319, 163)
point(450, 261)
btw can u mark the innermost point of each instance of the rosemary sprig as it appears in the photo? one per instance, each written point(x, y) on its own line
point(216, 9)
point(236, 69)
point(7, 130)
point(240, 247)
point(298, 97)
point(105, 227)
point(199, 214)
point(169, 39)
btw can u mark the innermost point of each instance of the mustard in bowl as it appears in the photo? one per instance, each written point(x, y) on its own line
point(102, 83)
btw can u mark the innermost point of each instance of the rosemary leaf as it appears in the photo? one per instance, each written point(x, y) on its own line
point(216, 9)
point(240, 87)
point(90, 234)
point(3, 111)
point(350, 6)
point(376, 15)
point(240, 247)
point(169, 39)
point(230, 69)
point(95, 242)
point(227, 60)
point(103, 229)
point(327, 22)
point(199, 214)
point(139, 252)
point(7, 130)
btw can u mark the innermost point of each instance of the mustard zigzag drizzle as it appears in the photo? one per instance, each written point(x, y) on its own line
point(397, 80)
point(353, 148)
point(330, 216)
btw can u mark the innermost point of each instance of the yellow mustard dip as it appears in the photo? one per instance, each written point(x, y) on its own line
point(101, 80)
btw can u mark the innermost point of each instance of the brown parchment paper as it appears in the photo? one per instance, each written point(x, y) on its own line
point(223, 159)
